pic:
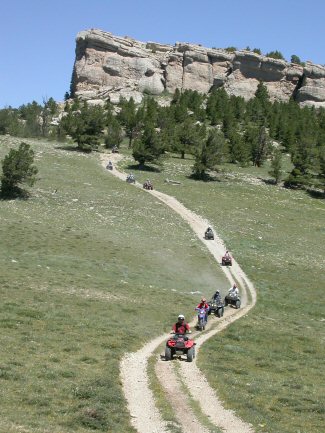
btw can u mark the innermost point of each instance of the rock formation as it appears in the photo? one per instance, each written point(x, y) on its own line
point(109, 66)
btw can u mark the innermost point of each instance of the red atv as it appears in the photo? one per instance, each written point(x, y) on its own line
point(148, 185)
point(180, 344)
point(226, 260)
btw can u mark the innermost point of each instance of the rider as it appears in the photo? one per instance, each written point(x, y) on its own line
point(217, 297)
point(203, 305)
point(233, 291)
point(209, 229)
point(227, 254)
point(181, 327)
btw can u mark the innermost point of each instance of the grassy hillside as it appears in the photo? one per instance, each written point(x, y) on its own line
point(268, 366)
point(91, 268)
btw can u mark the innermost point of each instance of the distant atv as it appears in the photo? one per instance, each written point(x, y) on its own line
point(233, 300)
point(130, 178)
point(180, 344)
point(148, 185)
point(209, 235)
point(216, 307)
point(226, 260)
point(115, 150)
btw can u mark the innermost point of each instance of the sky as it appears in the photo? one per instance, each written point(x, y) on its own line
point(38, 36)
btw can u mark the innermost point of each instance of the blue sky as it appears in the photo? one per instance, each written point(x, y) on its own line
point(38, 36)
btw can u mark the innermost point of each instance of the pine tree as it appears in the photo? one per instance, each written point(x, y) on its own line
point(209, 154)
point(85, 126)
point(17, 170)
point(114, 134)
point(276, 166)
point(261, 150)
point(148, 147)
point(130, 118)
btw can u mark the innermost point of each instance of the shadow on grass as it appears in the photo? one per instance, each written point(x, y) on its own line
point(268, 181)
point(17, 194)
point(316, 194)
point(147, 168)
point(71, 148)
point(204, 178)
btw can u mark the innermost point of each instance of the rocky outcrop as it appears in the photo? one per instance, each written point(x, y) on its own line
point(109, 66)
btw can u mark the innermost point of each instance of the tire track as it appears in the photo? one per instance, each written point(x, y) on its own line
point(145, 417)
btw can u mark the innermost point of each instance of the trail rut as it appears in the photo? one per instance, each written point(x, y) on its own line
point(145, 416)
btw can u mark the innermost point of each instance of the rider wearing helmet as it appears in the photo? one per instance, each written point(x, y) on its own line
point(217, 296)
point(181, 327)
point(203, 304)
point(227, 254)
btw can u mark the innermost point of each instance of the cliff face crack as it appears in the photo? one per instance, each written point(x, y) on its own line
point(183, 72)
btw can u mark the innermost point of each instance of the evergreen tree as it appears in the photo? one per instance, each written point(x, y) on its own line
point(30, 114)
point(130, 118)
point(85, 126)
point(17, 170)
point(187, 138)
point(209, 154)
point(276, 166)
point(49, 110)
point(238, 151)
point(148, 147)
point(275, 55)
point(261, 150)
point(114, 134)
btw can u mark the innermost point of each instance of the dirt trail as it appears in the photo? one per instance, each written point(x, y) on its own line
point(144, 414)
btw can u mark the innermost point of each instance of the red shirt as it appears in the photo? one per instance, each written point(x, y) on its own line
point(181, 328)
point(203, 305)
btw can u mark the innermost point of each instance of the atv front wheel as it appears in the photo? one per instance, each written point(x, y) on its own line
point(168, 354)
point(190, 354)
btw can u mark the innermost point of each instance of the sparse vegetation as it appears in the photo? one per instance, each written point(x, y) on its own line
point(83, 255)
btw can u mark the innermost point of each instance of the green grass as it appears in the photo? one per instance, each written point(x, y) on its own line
point(164, 406)
point(268, 366)
point(195, 406)
point(90, 269)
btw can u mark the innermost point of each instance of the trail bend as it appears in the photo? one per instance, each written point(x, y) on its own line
point(145, 416)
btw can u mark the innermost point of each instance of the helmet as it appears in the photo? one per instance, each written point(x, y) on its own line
point(217, 292)
point(203, 300)
point(181, 317)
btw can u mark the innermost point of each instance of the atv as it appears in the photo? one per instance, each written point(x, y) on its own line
point(180, 344)
point(148, 185)
point(217, 307)
point(202, 318)
point(226, 261)
point(130, 178)
point(233, 301)
point(209, 235)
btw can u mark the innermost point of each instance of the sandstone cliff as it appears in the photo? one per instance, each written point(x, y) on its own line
point(112, 66)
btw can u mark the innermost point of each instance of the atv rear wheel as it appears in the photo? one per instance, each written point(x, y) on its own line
point(168, 353)
point(190, 354)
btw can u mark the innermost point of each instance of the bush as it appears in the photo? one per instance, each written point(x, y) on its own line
point(18, 169)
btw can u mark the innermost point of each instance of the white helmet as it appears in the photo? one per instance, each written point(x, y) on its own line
point(181, 316)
